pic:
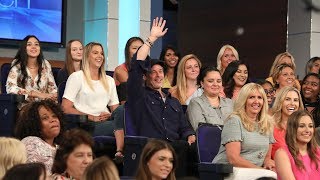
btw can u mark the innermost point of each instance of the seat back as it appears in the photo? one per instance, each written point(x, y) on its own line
point(5, 68)
point(55, 71)
point(61, 88)
point(110, 73)
point(129, 125)
point(208, 141)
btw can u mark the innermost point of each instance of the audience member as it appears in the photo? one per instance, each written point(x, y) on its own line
point(73, 155)
point(121, 71)
point(12, 152)
point(283, 58)
point(29, 171)
point(101, 168)
point(269, 90)
point(284, 76)
point(247, 136)
point(313, 65)
point(90, 91)
point(40, 129)
point(234, 78)
point(209, 107)
point(187, 86)
point(154, 112)
point(310, 92)
point(158, 161)
point(300, 158)
point(287, 101)
point(74, 52)
point(31, 74)
point(170, 56)
point(226, 55)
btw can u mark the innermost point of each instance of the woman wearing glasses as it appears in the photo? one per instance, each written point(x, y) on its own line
point(269, 90)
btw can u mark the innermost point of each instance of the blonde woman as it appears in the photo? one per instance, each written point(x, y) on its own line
point(287, 101)
point(247, 136)
point(91, 92)
point(226, 55)
point(101, 168)
point(187, 86)
point(282, 58)
point(12, 152)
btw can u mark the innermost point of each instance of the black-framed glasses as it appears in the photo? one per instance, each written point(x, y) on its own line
point(271, 91)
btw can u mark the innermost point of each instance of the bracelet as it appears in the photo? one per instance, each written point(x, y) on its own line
point(148, 42)
point(120, 151)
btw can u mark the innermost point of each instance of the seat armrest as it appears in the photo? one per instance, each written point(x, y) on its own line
point(209, 170)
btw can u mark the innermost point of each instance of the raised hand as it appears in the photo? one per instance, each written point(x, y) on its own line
point(157, 29)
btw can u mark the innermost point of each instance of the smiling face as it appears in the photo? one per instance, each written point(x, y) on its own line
point(227, 58)
point(78, 160)
point(241, 76)
point(134, 47)
point(76, 50)
point(161, 164)
point(50, 124)
point(270, 92)
point(310, 88)
point(192, 69)
point(170, 58)
point(212, 83)
point(96, 57)
point(33, 47)
point(286, 77)
point(305, 130)
point(155, 77)
point(315, 67)
point(290, 104)
point(254, 104)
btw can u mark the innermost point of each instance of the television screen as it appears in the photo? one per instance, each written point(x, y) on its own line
point(43, 18)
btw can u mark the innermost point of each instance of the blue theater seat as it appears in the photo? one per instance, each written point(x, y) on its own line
point(208, 143)
point(134, 145)
point(5, 68)
point(8, 113)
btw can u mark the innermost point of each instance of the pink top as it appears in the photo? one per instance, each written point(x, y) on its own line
point(279, 136)
point(122, 66)
point(310, 172)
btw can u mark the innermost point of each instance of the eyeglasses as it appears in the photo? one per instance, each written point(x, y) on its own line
point(271, 91)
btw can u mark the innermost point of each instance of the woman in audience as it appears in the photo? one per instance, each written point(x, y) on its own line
point(313, 65)
point(158, 161)
point(29, 171)
point(300, 158)
point(282, 58)
point(234, 78)
point(101, 168)
point(73, 155)
point(91, 92)
point(310, 92)
point(284, 76)
point(12, 152)
point(247, 136)
point(74, 51)
point(170, 56)
point(121, 71)
point(269, 90)
point(187, 86)
point(31, 74)
point(226, 55)
point(209, 107)
point(287, 101)
point(40, 129)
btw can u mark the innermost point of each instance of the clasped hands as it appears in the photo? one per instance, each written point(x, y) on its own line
point(102, 117)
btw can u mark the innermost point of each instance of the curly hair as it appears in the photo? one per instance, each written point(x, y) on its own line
point(71, 140)
point(291, 139)
point(29, 122)
point(21, 59)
